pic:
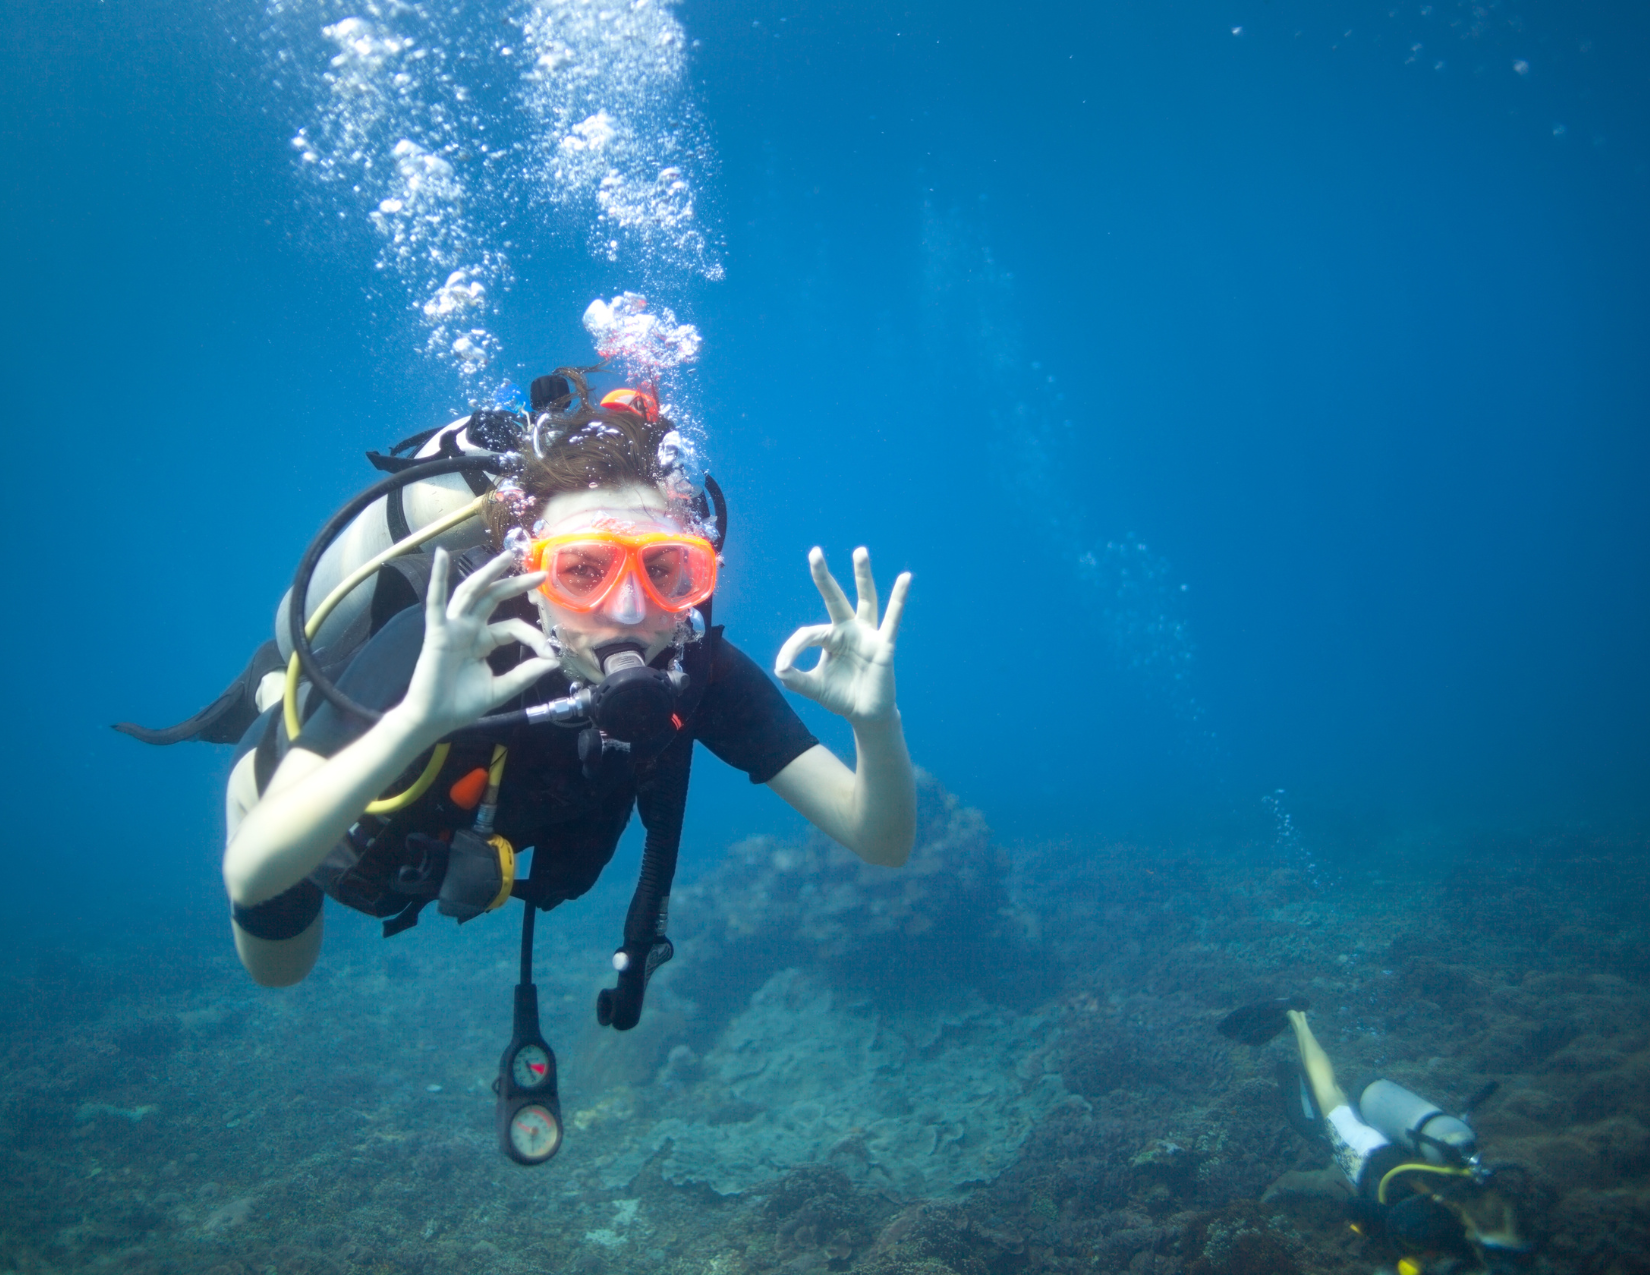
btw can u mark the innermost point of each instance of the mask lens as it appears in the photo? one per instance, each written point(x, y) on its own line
point(680, 573)
point(579, 573)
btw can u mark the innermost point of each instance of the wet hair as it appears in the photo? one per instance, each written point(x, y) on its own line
point(576, 448)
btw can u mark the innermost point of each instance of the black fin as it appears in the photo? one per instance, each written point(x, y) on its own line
point(1483, 1095)
point(1300, 1108)
point(1257, 1024)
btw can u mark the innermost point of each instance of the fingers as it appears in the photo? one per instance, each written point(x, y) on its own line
point(784, 667)
point(866, 586)
point(482, 591)
point(802, 681)
point(464, 597)
point(836, 601)
point(509, 685)
point(435, 600)
point(509, 587)
point(529, 635)
point(896, 608)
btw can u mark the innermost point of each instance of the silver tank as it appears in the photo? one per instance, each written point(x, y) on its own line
point(422, 503)
point(1415, 1124)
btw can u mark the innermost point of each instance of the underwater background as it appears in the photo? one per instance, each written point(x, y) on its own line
point(1287, 360)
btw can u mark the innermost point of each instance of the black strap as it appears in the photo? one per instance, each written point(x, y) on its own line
point(395, 516)
point(478, 482)
point(661, 800)
point(416, 441)
point(226, 718)
point(392, 464)
point(401, 583)
point(406, 918)
point(712, 501)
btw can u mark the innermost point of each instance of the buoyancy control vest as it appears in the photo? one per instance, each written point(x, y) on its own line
point(391, 866)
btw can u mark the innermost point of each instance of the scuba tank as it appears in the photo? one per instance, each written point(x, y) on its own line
point(1420, 1127)
point(396, 514)
point(399, 513)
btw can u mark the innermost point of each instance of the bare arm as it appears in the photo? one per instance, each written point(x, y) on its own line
point(310, 803)
point(271, 962)
point(871, 809)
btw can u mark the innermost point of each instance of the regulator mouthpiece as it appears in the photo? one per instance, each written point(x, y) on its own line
point(615, 657)
point(633, 702)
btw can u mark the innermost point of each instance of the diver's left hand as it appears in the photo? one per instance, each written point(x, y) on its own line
point(855, 674)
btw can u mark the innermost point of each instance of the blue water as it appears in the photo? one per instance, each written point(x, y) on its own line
point(1260, 404)
point(1256, 389)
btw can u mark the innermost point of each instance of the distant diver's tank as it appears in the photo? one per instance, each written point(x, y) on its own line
point(1419, 1126)
point(397, 515)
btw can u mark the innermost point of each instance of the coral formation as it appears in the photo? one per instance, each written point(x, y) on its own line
point(949, 916)
point(825, 1083)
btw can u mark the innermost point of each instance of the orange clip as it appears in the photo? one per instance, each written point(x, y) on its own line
point(466, 792)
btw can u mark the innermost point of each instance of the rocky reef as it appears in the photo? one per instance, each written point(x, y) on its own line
point(978, 1065)
point(949, 917)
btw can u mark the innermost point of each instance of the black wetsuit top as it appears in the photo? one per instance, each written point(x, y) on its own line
point(572, 823)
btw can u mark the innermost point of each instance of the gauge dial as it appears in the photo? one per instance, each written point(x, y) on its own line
point(535, 1133)
point(530, 1066)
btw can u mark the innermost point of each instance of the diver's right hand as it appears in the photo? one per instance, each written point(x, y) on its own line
point(453, 684)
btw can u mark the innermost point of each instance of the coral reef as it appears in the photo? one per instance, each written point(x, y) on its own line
point(948, 917)
point(922, 1102)
point(846, 1069)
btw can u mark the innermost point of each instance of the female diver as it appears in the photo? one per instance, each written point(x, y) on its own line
point(616, 562)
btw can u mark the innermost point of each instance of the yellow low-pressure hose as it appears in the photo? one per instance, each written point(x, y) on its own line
point(289, 701)
point(1416, 1166)
point(484, 823)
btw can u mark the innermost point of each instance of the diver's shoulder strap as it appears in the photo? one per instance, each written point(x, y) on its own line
point(661, 801)
point(226, 718)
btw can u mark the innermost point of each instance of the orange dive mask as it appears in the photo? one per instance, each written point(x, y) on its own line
point(677, 571)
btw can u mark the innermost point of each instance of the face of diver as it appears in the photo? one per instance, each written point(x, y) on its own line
point(627, 613)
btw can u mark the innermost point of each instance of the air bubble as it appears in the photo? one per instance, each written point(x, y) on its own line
point(601, 127)
point(516, 543)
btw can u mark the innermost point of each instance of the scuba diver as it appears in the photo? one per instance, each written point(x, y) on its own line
point(1416, 1177)
point(427, 718)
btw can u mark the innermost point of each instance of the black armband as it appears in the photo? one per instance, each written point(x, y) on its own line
point(286, 916)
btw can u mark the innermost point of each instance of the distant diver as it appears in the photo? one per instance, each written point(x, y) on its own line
point(425, 718)
point(1416, 1176)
